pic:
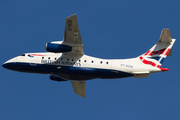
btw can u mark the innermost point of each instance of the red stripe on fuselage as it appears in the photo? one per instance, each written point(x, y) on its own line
point(147, 62)
point(141, 58)
point(36, 55)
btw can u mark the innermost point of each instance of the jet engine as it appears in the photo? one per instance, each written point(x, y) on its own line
point(57, 47)
point(55, 78)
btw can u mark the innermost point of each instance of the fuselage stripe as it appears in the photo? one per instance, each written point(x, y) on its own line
point(36, 55)
point(147, 62)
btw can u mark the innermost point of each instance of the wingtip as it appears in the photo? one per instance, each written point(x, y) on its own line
point(71, 15)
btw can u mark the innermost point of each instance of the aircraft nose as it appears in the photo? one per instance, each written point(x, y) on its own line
point(4, 65)
point(7, 65)
point(10, 64)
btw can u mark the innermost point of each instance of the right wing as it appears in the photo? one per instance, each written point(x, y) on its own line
point(79, 87)
point(72, 36)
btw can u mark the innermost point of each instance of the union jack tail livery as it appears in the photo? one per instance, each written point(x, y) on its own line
point(163, 48)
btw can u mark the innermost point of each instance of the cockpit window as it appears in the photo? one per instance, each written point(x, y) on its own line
point(23, 55)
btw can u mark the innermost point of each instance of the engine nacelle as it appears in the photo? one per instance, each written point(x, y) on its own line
point(55, 78)
point(57, 48)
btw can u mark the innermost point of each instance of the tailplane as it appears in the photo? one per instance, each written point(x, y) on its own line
point(163, 48)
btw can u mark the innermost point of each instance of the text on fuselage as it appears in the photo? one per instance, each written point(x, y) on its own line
point(126, 65)
point(60, 62)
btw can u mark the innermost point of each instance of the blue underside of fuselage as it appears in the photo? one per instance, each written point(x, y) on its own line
point(56, 69)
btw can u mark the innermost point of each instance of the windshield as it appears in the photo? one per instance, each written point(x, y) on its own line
point(22, 55)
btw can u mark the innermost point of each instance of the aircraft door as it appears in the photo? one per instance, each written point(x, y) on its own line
point(33, 60)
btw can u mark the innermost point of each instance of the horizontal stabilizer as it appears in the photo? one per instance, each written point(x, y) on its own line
point(165, 36)
point(141, 74)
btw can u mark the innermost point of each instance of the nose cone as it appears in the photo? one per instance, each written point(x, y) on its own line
point(4, 65)
point(8, 65)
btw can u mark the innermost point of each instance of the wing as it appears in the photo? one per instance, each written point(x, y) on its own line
point(79, 87)
point(72, 36)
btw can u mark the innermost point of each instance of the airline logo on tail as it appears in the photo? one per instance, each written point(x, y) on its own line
point(163, 48)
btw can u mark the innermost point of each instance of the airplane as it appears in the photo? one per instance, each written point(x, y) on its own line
point(65, 60)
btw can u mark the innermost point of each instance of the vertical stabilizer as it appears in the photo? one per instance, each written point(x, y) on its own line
point(163, 48)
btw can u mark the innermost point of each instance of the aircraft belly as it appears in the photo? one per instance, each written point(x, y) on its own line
point(69, 72)
point(82, 73)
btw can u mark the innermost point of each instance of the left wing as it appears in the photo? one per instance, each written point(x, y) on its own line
point(79, 87)
point(72, 36)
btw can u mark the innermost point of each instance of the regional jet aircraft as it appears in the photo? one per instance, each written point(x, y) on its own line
point(65, 60)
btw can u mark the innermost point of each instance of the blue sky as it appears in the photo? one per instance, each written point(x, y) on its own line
point(109, 29)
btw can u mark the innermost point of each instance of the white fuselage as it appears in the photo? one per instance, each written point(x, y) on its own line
point(82, 65)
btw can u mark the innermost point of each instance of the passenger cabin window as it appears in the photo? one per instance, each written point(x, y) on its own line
point(101, 62)
point(42, 57)
point(106, 62)
point(79, 60)
point(54, 58)
point(84, 60)
point(49, 58)
point(72, 59)
point(67, 59)
point(92, 61)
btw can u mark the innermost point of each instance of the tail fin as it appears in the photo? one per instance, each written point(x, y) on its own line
point(163, 48)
